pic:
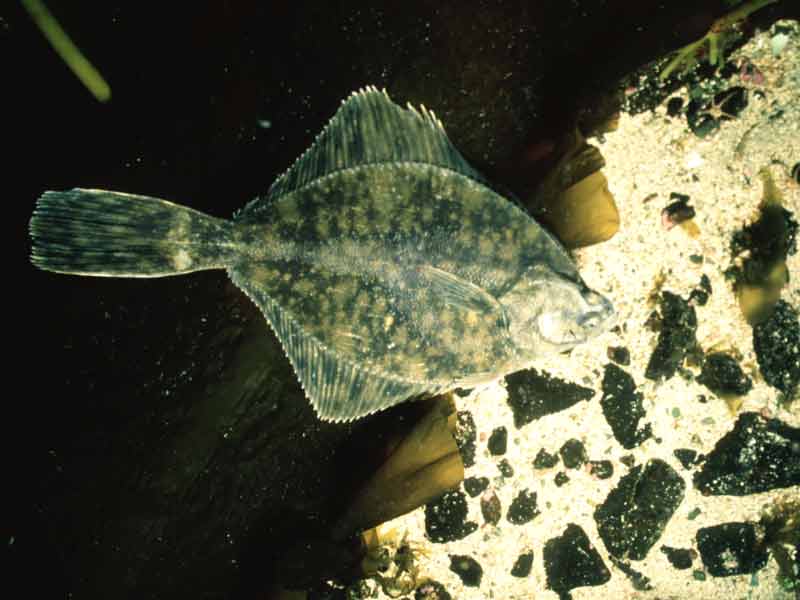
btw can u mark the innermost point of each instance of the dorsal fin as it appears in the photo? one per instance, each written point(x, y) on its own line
point(367, 129)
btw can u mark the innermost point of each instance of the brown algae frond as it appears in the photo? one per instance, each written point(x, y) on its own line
point(760, 250)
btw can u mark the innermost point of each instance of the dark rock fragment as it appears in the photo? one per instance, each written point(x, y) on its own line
point(561, 478)
point(465, 437)
point(522, 566)
point(498, 441)
point(523, 508)
point(602, 469)
point(545, 460)
point(573, 453)
point(467, 568)
point(698, 297)
point(676, 213)
point(532, 395)
point(619, 355)
point(686, 456)
point(758, 455)
point(776, 341)
point(622, 407)
point(475, 485)
point(628, 460)
point(505, 468)
point(490, 507)
point(675, 339)
point(675, 106)
point(635, 513)
point(445, 518)
point(730, 549)
point(680, 558)
point(722, 375)
point(431, 590)
point(571, 561)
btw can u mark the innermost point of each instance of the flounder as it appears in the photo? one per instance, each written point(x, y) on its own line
point(385, 264)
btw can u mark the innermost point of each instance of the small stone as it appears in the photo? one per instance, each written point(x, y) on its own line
point(698, 575)
point(676, 337)
point(466, 436)
point(523, 508)
point(561, 478)
point(635, 513)
point(522, 566)
point(675, 106)
point(467, 568)
point(776, 341)
point(758, 455)
point(532, 395)
point(445, 518)
point(490, 507)
point(602, 469)
point(694, 513)
point(571, 561)
point(619, 354)
point(498, 441)
point(698, 297)
point(696, 259)
point(731, 549)
point(686, 456)
point(431, 590)
point(676, 213)
point(573, 453)
point(622, 407)
point(545, 460)
point(722, 375)
point(475, 485)
point(679, 558)
point(628, 460)
point(505, 468)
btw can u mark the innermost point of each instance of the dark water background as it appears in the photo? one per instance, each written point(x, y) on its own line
point(158, 445)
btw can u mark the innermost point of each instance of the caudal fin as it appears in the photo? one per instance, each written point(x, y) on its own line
point(111, 234)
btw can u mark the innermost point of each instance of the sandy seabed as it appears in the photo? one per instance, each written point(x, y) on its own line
point(648, 157)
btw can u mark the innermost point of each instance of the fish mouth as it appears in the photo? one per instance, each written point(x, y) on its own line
point(599, 320)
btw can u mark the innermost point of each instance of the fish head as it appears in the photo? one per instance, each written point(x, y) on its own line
point(547, 311)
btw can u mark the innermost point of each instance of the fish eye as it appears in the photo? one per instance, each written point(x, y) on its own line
point(591, 321)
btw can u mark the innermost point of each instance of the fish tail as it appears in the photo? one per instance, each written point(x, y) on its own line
point(111, 234)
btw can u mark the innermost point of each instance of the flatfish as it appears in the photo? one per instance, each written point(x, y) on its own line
point(386, 265)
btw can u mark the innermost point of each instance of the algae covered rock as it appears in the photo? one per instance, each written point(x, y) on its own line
point(571, 561)
point(676, 338)
point(758, 455)
point(635, 513)
point(776, 341)
point(730, 549)
point(533, 394)
point(723, 375)
point(622, 407)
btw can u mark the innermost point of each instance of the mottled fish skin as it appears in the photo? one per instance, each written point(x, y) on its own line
point(385, 264)
point(350, 257)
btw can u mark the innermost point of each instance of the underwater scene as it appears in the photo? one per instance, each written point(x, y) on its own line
point(419, 300)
